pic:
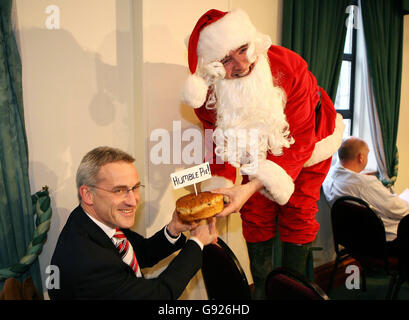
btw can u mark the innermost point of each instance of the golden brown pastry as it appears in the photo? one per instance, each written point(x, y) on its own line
point(204, 205)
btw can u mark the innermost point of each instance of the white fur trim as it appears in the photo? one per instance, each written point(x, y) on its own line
point(326, 147)
point(194, 91)
point(215, 182)
point(278, 185)
point(263, 43)
point(228, 33)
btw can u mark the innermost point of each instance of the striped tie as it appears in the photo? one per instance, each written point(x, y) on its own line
point(126, 251)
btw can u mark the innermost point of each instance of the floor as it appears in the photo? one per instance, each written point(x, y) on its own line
point(377, 288)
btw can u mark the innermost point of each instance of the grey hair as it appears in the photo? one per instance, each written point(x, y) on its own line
point(92, 162)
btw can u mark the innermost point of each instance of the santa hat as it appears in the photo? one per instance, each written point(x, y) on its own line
point(217, 33)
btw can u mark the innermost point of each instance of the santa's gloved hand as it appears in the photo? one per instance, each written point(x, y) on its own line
point(197, 85)
point(212, 71)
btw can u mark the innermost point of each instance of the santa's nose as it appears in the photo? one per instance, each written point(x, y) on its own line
point(241, 63)
point(241, 66)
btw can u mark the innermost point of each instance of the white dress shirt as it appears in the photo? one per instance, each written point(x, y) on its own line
point(389, 207)
point(111, 231)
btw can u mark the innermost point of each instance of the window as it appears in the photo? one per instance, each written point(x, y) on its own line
point(353, 90)
point(344, 101)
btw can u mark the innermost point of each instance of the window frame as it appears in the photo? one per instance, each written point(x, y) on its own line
point(351, 57)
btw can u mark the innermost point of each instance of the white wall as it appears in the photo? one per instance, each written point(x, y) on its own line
point(165, 27)
point(78, 93)
point(403, 132)
point(111, 75)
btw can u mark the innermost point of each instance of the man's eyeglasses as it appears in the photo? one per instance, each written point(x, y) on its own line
point(121, 191)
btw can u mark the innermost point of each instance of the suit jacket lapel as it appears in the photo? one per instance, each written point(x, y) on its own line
point(96, 233)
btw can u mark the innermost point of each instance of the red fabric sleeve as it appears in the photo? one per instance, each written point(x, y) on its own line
point(291, 73)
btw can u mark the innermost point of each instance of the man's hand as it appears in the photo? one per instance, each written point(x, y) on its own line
point(205, 231)
point(177, 225)
point(238, 196)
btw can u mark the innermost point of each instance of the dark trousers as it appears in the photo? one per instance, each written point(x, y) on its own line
point(294, 256)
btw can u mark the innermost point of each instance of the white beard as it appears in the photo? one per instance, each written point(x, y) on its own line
point(250, 117)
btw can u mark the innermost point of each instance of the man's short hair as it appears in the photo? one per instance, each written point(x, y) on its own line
point(350, 148)
point(93, 161)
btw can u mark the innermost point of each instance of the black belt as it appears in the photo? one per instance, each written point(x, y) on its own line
point(317, 110)
point(318, 107)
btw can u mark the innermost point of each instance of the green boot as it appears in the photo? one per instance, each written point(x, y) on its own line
point(297, 257)
point(261, 264)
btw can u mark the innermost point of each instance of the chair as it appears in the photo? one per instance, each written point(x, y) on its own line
point(403, 256)
point(286, 284)
point(358, 232)
point(223, 275)
point(15, 290)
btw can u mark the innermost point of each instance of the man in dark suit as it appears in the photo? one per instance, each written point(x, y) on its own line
point(88, 255)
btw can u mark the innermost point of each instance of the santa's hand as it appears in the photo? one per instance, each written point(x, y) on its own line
point(213, 71)
point(198, 87)
point(238, 196)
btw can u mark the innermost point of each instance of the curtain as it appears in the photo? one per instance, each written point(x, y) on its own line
point(366, 122)
point(383, 28)
point(16, 212)
point(405, 6)
point(316, 30)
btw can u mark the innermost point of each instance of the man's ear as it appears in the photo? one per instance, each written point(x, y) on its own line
point(360, 157)
point(87, 196)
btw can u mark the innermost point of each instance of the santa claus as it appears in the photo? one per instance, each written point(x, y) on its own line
point(246, 89)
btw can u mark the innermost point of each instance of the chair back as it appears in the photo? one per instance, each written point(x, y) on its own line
point(357, 228)
point(403, 245)
point(223, 275)
point(285, 284)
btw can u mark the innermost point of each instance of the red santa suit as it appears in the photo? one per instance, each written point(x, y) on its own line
point(293, 179)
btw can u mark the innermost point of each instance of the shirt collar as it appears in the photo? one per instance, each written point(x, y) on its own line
point(108, 230)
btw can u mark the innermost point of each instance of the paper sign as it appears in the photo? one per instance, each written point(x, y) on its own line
point(191, 176)
point(405, 195)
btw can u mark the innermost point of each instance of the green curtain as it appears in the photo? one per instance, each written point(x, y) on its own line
point(16, 212)
point(383, 28)
point(405, 6)
point(316, 30)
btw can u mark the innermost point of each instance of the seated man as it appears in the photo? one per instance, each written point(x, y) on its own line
point(100, 258)
point(346, 179)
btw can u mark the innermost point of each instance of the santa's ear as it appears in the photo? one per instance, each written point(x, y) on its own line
point(262, 44)
point(87, 195)
point(251, 53)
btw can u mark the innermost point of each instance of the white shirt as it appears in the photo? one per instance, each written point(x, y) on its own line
point(389, 207)
point(111, 231)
